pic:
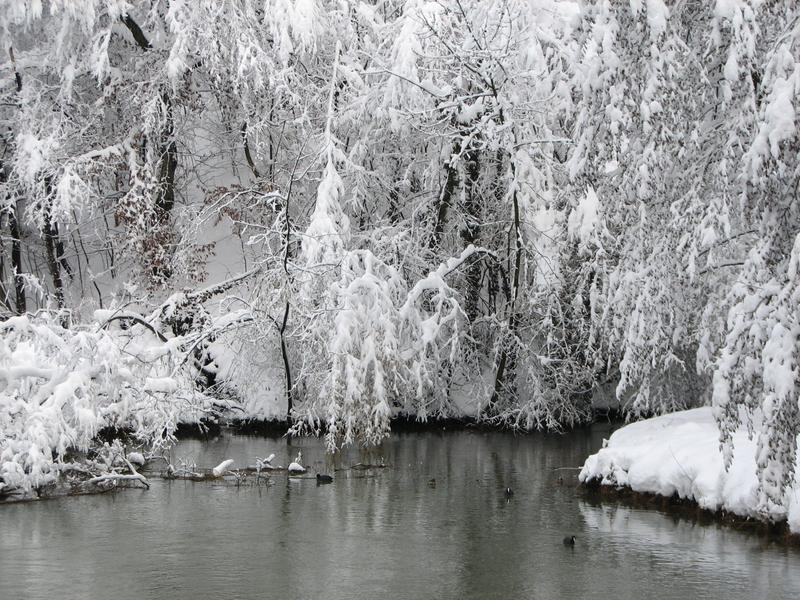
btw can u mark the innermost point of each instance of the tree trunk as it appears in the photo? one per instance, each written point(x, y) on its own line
point(165, 198)
point(16, 262)
point(169, 164)
point(506, 365)
point(52, 258)
point(286, 367)
point(444, 200)
point(13, 223)
point(470, 234)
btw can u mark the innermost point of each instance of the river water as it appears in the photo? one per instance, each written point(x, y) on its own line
point(387, 533)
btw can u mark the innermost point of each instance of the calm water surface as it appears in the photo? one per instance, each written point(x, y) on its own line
point(385, 534)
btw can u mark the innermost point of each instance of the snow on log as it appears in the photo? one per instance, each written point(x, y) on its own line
point(222, 467)
point(296, 468)
point(114, 477)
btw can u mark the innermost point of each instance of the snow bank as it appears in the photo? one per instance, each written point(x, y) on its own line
point(679, 454)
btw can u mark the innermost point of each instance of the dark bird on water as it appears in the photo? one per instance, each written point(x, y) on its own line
point(569, 540)
point(509, 492)
point(324, 478)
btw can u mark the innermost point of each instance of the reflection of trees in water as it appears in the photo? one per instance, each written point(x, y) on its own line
point(389, 533)
point(694, 551)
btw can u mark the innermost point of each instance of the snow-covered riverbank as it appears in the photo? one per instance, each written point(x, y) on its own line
point(679, 454)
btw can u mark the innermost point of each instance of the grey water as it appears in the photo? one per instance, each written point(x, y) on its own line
point(388, 533)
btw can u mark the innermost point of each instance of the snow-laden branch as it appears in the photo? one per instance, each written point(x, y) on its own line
point(59, 387)
point(116, 477)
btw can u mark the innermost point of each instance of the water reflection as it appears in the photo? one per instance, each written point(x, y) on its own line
point(381, 533)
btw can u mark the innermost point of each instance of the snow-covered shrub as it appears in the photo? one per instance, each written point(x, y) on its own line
point(59, 387)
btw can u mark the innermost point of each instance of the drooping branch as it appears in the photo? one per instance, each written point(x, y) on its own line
point(134, 319)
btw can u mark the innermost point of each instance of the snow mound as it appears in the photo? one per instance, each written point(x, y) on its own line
point(679, 454)
point(136, 458)
point(296, 468)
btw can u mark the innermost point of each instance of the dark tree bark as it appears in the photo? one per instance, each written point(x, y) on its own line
point(507, 363)
point(286, 366)
point(13, 224)
point(16, 262)
point(169, 164)
point(138, 35)
point(60, 254)
point(247, 155)
point(53, 265)
point(443, 202)
point(395, 212)
point(470, 233)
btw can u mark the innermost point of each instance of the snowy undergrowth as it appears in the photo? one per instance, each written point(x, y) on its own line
point(679, 454)
point(60, 386)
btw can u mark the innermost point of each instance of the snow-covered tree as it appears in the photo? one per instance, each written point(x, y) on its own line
point(489, 207)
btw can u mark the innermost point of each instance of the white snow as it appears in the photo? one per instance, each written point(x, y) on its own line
point(657, 16)
point(136, 458)
point(584, 223)
point(547, 228)
point(265, 463)
point(59, 387)
point(328, 233)
point(222, 467)
point(296, 466)
point(470, 112)
point(679, 454)
point(732, 67)
point(163, 385)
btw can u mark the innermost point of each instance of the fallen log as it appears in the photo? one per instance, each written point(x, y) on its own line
point(116, 477)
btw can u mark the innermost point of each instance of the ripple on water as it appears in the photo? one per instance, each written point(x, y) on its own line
point(382, 534)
